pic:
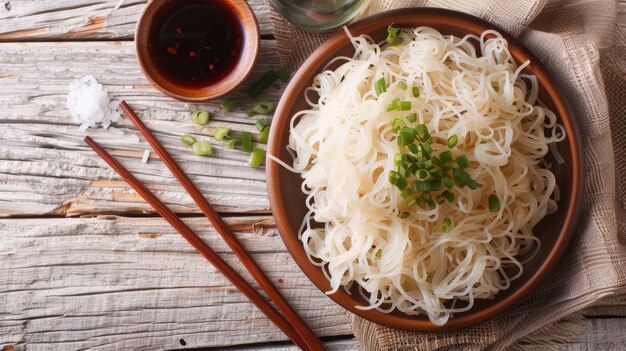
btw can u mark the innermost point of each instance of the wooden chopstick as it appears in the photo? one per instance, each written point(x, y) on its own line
point(307, 334)
point(200, 246)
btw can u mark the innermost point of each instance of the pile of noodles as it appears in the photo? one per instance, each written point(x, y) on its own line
point(344, 148)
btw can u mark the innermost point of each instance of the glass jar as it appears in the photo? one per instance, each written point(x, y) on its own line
point(319, 15)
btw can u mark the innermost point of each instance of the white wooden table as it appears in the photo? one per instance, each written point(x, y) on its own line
point(84, 262)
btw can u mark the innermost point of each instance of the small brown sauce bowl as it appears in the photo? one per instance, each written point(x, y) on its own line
point(289, 203)
point(176, 79)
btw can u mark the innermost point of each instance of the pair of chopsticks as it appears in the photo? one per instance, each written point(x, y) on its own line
point(292, 325)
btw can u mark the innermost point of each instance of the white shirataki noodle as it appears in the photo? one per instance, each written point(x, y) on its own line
point(89, 104)
point(344, 148)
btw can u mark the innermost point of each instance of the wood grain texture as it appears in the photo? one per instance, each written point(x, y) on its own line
point(46, 169)
point(22, 20)
point(135, 283)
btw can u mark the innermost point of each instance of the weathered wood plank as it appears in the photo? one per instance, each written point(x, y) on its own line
point(45, 168)
point(122, 283)
point(80, 19)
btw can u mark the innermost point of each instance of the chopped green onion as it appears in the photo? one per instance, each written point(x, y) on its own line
point(228, 105)
point(263, 107)
point(465, 178)
point(256, 157)
point(380, 86)
point(439, 163)
point(414, 148)
point(202, 148)
point(447, 182)
point(187, 139)
point(494, 203)
point(250, 111)
point(398, 159)
point(406, 136)
point(411, 203)
point(446, 225)
point(232, 143)
point(448, 195)
point(454, 165)
point(379, 253)
point(403, 215)
point(396, 124)
point(260, 124)
point(416, 92)
point(426, 195)
point(445, 156)
point(402, 85)
point(260, 85)
point(412, 117)
point(428, 149)
point(405, 105)
point(452, 141)
point(282, 74)
point(440, 199)
point(264, 135)
point(399, 105)
point(435, 184)
point(220, 133)
point(246, 142)
point(420, 186)
point(463, 161)
point(431, 204)
point(396, 179)
point(422, 174)
point(406, 193)
point(392, 36)
point(200, 117)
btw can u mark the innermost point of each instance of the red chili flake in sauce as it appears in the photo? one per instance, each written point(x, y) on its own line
point(281, 280)
point(172, 50)
point(211, 66)
point(178, 30)
point(193, 54)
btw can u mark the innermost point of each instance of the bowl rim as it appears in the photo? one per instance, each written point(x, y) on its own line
point(252, 37)
point(289, 235)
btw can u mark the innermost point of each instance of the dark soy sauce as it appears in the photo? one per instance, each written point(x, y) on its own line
point(198, 44)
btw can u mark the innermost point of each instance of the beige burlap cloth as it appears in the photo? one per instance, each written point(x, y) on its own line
point(580, 43)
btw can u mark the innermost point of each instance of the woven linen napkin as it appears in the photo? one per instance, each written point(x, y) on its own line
point(578, 41)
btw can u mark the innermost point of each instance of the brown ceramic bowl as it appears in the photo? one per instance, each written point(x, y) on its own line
point(288, 202)
point(151, 18)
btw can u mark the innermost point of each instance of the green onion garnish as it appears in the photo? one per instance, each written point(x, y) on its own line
point(411, 203)
point(465, 178)
point(416, 92)
point(202, 148)
point(263, 107)
point(445, 156)
point(414, 148)
point(406, 193)
point(380, 86)
point(463, 161)
point(494, 203)
point(440, 199)
point(403, 215)
point(220, 133)
point(232, 143)
point(256, 157)
point(396, 124)
point(187, 139)
point(402, 85)
point(448, 195)
point(250, 111)
point(399, 105)
point(392, 35)
point(406, 136)
point(420, 186)
point(282, 74)
point(260, 85)
point(447, 182)
point(431, 204)
point(261, 124)
point(412, 117)
point(452, 141)
point(435, 184)
point(200, 117)
point(228, 105)
point(246, 142)
point(264, 135)
point(446, 225)
point(422, 174)
point(396, 179)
